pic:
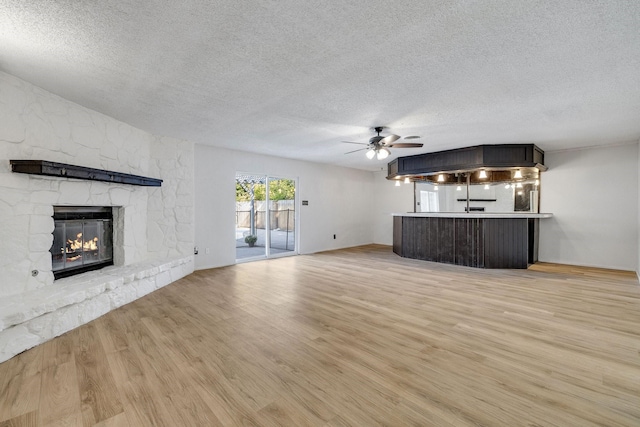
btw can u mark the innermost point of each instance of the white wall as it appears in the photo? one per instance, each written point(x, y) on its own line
point(341, 202)
point(593, 194)
point(638, 265)
point(389, 199)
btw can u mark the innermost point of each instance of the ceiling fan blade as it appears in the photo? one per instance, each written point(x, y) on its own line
point(354, 151)
point(389, 139)
point(350, 142)
point(406, 145)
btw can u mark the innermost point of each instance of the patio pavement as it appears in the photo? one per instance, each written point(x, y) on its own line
point(281, 242)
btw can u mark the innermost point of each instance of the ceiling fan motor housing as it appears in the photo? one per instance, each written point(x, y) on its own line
point(375, 141)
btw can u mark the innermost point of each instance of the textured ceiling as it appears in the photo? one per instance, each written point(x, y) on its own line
point(294, 78)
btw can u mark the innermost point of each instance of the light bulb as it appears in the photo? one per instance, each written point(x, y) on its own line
point(440, 178)
point(397, 183)
point(407, 180)
point(459, 188)
point(383, 153)
point(518, 174)
point(371, 153)
point(483, 174)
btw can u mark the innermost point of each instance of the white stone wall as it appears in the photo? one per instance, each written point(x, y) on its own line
point(170, 228)
point(37, 125)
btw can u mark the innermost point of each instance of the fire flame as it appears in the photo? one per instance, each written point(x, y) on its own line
point(78, 244)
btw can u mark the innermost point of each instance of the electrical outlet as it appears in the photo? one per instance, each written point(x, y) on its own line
point(334, 237)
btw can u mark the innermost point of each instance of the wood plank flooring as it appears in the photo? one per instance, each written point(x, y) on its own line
point(356, 337)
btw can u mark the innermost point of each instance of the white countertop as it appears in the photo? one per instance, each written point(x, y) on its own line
point(476, 214)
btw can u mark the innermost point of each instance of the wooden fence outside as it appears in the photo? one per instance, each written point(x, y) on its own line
point(282, 214)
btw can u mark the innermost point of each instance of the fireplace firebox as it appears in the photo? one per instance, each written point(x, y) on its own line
point(82, 239)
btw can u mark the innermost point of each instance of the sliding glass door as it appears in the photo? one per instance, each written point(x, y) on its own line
point(266, 224)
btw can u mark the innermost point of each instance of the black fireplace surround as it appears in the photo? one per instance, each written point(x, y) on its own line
point(82, 239)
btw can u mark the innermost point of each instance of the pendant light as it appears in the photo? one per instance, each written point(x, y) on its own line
point(407, 180)
point(518, 174)
point(483, 174)
point(441, 178)
point(397, 183)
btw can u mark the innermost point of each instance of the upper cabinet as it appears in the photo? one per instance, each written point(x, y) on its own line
point(502, 156)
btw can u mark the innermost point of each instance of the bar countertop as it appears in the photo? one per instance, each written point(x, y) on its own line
point(474, 214)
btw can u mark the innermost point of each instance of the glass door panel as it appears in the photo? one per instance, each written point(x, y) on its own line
point(74, 244)
point(282, 215)
point(58, 249)
point(250, 215)
point(106, 240)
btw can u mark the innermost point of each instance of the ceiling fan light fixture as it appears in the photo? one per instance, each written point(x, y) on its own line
point(371, 153)
point(383, 153)
point(378, 145)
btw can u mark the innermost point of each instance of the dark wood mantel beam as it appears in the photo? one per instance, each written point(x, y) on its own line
point(63, 170)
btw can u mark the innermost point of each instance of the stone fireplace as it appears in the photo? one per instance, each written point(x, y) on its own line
point(152, 227)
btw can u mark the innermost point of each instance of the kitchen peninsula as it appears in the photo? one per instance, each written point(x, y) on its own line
point(484, 240)
point(475, 206)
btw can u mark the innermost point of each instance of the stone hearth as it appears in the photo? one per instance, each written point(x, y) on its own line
point(35, 317)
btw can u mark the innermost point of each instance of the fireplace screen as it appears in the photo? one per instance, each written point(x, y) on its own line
point(82, 239)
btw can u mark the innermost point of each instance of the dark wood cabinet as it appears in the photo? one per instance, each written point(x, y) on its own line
point(472, 242)
point(469, 158)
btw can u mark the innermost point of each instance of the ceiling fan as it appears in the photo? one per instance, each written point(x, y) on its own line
point(378, 146)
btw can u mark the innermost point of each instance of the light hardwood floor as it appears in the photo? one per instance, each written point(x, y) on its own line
point(357, 337)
